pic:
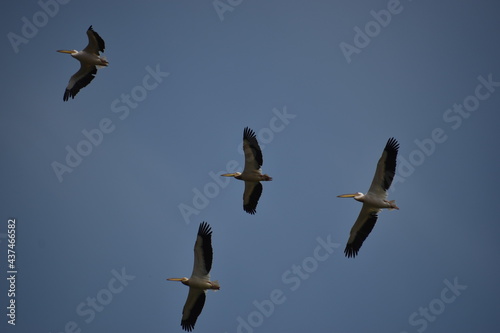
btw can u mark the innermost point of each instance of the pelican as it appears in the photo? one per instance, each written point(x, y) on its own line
point(90, 61)
point(199, 281)
point(252, 173)
point(375, 200)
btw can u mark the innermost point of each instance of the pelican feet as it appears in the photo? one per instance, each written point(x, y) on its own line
point(266, 178)
point(392, 204)
point(214, 285)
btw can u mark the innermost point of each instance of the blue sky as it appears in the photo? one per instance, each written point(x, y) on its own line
point(324, 84)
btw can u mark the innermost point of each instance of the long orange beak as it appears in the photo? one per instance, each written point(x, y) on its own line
point(66, 51)
point(346, 196)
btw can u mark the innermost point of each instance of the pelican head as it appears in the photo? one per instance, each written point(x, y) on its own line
point(184, 280)
point(357, 196)
point(235, 175)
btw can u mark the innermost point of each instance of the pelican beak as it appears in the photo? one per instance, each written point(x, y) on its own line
point(65, 51)
point(346, 196)
point(228, 175)
point(174, 279)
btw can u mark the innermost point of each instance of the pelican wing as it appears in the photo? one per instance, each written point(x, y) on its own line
point(192, 309)
point(386, 168)
point(79, 80)
point(203, 254)
point(253, 153)
point(96, 43)
point(360, 230)
point(251, 196)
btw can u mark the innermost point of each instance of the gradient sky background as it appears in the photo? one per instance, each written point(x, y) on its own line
point(119, 209)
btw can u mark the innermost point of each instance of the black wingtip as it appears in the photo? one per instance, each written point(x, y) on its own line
point(249, 210)
point(248, 133)
point(204, 229)
point(352, 247)
point(250, 136)
point(187, 327)
point(100, 41)
point(350, 252)
point(391, 149)
point(251, 206)
point(392, 144)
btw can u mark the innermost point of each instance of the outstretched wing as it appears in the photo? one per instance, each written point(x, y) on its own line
point(360, 230)
point(192, 309)
point(386, 169)
point(203, 253)
point(251, 196)
point(253, 153)
point(96, 43)
point(79, 80)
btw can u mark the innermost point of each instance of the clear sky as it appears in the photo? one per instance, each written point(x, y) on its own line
point(108, 189)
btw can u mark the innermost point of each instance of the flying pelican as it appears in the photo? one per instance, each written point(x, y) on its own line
point(90, 61)
point(374, 200)
point(200, 278)
point(252, 173)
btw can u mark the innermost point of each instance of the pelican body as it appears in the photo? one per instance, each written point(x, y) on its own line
point(199, 282)
point(252, 172)
point(375, 200)
point(90, 60)
point(371, 200)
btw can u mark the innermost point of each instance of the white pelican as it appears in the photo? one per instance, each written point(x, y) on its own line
point(89, 59)
point(252, 173)
point(374, 200)
point(200, 278)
